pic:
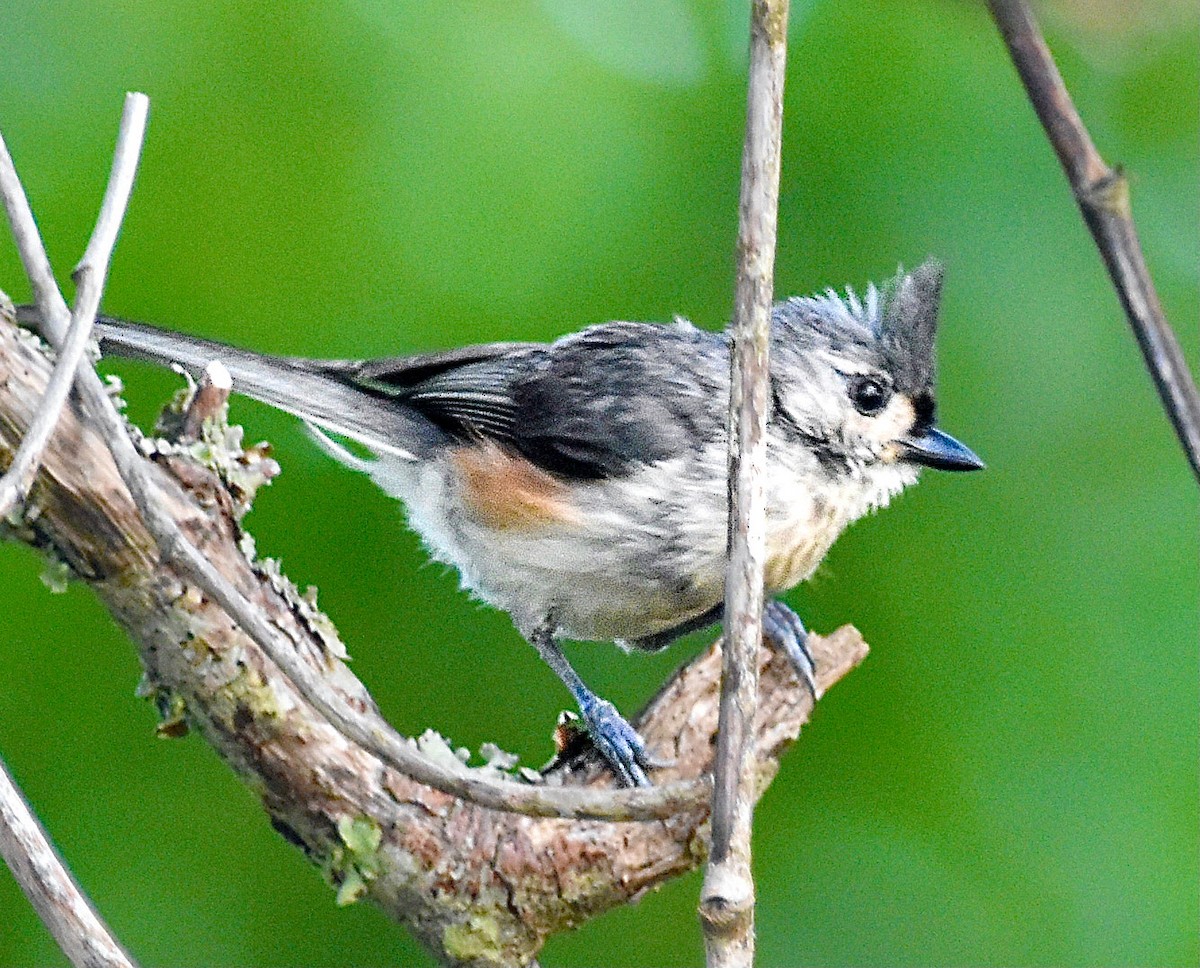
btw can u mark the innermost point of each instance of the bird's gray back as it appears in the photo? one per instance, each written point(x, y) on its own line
point(590, 406)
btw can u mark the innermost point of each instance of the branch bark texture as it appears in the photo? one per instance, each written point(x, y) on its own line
point(478, 886)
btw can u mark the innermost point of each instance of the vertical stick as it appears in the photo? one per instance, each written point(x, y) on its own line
point(727, 898)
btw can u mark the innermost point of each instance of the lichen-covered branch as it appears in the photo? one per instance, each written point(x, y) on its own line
point(478, 886)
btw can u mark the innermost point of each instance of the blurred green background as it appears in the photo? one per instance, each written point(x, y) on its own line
point(1010, 779)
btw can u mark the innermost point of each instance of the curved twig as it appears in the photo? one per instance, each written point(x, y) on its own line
point(1103, 196)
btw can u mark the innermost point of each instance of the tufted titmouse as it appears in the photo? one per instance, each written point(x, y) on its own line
point(581, 485)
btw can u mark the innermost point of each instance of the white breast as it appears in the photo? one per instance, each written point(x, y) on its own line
point(635, 555)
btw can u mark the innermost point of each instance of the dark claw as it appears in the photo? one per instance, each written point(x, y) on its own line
point(618, 742)
point(784, 628)
point(652, 762)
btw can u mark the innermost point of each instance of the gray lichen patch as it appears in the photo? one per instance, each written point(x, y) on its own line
point(56, 574)
point(220, 447)
point(437, 748)
point(302, 604)
point(17, 525)
point(498, 764)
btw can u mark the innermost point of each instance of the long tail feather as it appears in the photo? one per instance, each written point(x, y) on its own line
point(320, 392)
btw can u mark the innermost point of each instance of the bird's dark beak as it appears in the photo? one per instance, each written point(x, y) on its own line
point(933, 448)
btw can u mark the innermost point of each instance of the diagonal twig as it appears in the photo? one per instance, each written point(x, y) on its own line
point(42, 875)
point(727, 896)
point(15, 484)
point(1103, 196)
point(367, 729)
point(38, 869)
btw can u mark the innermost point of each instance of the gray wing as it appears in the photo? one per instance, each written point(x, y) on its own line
point(589, 406)
point(463, 391)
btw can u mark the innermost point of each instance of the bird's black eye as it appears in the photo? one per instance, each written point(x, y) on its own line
point(869, 396)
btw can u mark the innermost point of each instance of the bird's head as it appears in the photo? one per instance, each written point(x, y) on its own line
point(853, 379)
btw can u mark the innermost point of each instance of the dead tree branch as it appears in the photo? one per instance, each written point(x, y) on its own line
point(727, 898)
point(364, 726)
point(478, 886)
point(1103, 196)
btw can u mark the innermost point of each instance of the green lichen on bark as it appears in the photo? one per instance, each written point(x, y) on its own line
point(476, 939)
point(354, 862)
point(220, 446)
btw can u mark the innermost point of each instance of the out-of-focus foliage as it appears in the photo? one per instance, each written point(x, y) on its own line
point(1012, 776)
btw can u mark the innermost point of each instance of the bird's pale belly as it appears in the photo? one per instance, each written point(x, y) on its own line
point(606, 589)
point(602, 563)
point(794, 553)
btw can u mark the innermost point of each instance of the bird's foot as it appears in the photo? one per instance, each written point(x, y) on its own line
point(618, 742)
point(784, 628)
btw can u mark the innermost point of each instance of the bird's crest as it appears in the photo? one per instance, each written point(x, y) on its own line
point(909, 324)
point(901, 317)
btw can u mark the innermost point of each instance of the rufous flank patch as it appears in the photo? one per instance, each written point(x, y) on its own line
point(507, 492)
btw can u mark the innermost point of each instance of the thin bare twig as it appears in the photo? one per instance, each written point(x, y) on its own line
point(1103, 196)
point(84, 938)
point(727, 897)
point(367, 729)
point(14, 486)
point(39, 870)
point(89, 278)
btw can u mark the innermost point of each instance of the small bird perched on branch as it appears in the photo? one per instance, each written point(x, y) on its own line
point(581, 485)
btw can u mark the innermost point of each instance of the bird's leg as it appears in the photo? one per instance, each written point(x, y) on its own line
point(617, 741)
point(780, 624)
point(783, 626)
point(660, 640)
